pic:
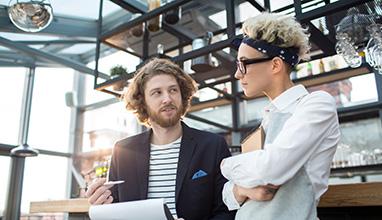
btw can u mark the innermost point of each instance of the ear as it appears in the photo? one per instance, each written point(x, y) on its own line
point(277, 65)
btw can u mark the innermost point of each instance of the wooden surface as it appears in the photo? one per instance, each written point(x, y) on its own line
point(346, 195)
point(70, 205)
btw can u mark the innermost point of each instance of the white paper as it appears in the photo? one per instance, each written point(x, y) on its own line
point(150, 209)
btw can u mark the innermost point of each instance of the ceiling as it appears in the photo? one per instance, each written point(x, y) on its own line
point(70, 40)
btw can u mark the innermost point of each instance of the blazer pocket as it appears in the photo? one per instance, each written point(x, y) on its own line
point(199, 180)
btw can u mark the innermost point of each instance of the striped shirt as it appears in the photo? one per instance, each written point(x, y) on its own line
point(162, 173)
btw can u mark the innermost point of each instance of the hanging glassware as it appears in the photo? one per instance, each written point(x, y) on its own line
point(345, 47)
point(351, 35)
point(30, 15)
point(373, 49)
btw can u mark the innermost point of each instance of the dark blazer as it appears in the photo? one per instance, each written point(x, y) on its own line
point(198, 199)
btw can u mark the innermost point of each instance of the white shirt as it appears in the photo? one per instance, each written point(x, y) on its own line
point(308, 138)
point(162, 173)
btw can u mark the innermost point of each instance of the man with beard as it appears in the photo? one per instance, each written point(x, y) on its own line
point(171, 160)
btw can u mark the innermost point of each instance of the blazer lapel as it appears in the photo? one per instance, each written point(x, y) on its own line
point(142, 161)
point(186, 152)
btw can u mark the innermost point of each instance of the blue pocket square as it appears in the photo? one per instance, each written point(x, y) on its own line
point(199, 174)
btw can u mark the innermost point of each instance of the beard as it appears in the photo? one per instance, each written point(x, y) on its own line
point(165, 122)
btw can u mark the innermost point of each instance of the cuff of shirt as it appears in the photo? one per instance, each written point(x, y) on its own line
point(227, 167)
point(230, 164)
point(228, 196)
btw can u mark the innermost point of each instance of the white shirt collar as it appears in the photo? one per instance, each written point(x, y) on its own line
point(288, 97)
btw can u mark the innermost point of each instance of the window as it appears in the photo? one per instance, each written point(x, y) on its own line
point(45, 178)
point(353, 91)
point(4, 176)
point(50, 117)
point(363, 136)
point(104, 126)
point(11, 93)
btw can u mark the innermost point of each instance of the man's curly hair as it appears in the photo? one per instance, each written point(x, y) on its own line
point(134, 96)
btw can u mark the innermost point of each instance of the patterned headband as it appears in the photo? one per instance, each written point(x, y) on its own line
point(286, 54)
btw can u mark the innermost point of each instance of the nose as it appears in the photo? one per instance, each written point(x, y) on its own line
point(166, 98)
point(238, 74)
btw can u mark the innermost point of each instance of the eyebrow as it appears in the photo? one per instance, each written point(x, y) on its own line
point(158, 88)
point(240, 58)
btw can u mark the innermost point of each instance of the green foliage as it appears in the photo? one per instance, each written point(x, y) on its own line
point(118, 70)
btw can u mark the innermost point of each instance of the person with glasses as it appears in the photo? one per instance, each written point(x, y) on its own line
point(301, 128)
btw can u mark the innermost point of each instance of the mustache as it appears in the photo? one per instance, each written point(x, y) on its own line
point(168, 106)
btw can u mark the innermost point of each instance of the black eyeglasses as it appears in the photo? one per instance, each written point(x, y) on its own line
point(242, 64)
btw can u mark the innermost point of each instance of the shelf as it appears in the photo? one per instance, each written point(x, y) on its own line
point(94, 154)
point(332, 76)
point(356, 170)
point(183, 57)
point(313, 80)
point(145, 17)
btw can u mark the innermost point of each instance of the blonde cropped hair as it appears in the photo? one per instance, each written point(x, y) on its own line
point(279, 30)
point(134, 96)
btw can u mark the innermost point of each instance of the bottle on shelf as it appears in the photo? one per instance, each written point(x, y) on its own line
point(333, 63)
point(309, 69)
point(172, 16)
point(154, 24)
point(160, 49)
point(137, 31)
point(321, 66)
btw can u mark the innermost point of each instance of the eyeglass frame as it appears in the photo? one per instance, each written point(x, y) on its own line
point(244, 63)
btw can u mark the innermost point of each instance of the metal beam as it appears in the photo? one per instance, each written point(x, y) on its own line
point(16, 57)
point(100, 104)
point(61, 25)
point(267, 5)
point(182, 34)
point(290, 6)
point(197, 118)
point(89, 56)
point(187, 36)
point(50, 57)
point(55, 48)
point(232, 16)
point(328, 9)
point(16, 174)
point(297, 8)
point(5, 150)
point(199, 52)
point(132, 5)
point(51, 42)
point(323, 42)
point(204, 85)
point(256, 5)
point(224, 93)
point(144, 18)
point(214, 73)
point(98, 44)
point(138, 7)
point(115, 19)
point(15, 187)
point(15, 64)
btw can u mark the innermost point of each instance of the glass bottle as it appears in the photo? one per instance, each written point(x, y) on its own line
point(137, 31)
point(172, 16)
point(309, 69)
point(321, 66)
point(154, 24)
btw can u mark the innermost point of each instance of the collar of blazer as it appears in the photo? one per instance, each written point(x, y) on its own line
point(186, 152)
